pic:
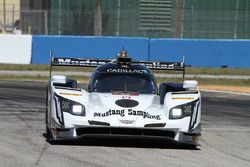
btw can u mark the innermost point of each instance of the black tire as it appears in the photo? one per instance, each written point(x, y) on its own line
point(50, 137)
point(191, 147)
point(46, 112)
point(48, 134)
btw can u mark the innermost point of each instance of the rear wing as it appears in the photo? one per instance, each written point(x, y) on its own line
point(84, 62)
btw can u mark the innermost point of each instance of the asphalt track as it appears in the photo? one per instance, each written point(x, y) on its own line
point(225, 137)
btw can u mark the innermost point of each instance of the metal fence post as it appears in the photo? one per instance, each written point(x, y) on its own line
point(4, 16)
point(236, 19)
point(97, 18)
point(118, 18)
point(13, 14)
point(46, 22)
point(246, 19)
point(192, 21)
point(179, 18)
point(59, 16)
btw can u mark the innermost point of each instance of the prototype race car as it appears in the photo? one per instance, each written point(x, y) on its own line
point(123, 100)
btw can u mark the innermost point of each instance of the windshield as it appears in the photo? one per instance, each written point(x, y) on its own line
point(109, 82)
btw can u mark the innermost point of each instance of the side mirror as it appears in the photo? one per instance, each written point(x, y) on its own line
point(58, 79)
point(190, 84)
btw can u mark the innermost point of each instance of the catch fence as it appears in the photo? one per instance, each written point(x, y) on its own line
point(224, 19)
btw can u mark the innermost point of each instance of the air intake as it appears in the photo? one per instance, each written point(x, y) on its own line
point(126, 103)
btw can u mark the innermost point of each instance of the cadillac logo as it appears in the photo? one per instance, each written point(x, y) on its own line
point(127, 121)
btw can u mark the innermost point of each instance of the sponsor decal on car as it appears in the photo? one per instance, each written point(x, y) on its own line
point(183, 98)
point(123, 113)
point(126, 70)
point(70, 94)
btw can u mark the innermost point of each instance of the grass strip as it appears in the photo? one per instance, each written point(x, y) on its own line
point(233, 85)
point(189, 70)
point(84, 79)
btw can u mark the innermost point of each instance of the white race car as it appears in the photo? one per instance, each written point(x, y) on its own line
point(123, 100)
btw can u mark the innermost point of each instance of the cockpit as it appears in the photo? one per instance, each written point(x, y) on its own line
point(123, 82)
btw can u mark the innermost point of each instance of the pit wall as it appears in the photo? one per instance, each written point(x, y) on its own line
point(25, 49)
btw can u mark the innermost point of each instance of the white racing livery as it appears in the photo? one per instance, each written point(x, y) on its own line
point(123, 100)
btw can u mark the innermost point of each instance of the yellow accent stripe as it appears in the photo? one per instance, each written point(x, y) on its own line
point(70, 94)
point(182, 98)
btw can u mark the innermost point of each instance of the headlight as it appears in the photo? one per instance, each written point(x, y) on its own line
point(77, 109)
point(176, 112)
point(182, 111)
point(70, 106)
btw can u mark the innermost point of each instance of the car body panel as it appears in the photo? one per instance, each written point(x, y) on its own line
point(122, 113)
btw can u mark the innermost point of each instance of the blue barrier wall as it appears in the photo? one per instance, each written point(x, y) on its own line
point(87, 47)
point(202, 53)
point(198, 53)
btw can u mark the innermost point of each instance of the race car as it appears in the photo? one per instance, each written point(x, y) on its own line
point(123, 100)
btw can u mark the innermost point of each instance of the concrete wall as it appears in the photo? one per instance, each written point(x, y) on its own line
point(15, 49)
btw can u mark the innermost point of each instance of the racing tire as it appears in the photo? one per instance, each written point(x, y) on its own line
point(50, 139)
